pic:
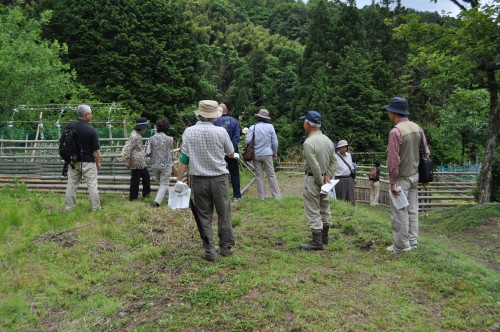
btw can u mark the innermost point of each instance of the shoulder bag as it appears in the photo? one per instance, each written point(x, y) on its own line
point(425, 168)
point(248, 150)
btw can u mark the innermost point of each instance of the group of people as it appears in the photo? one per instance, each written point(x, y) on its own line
point(210, 150)
point(403, 153)
point(86, 169)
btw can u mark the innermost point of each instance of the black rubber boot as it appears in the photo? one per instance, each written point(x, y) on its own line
point(324, 234)
point(315, 243)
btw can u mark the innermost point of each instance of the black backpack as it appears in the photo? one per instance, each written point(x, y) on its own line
point(69, 146)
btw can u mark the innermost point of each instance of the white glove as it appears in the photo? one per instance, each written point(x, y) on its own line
point(236, 155)
point(181, 188)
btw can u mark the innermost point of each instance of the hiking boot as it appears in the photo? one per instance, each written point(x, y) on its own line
point(393, 249)
point(316, 242)
point(210, 258)
point(154, 204)
point(324, 234)
point(225, 251)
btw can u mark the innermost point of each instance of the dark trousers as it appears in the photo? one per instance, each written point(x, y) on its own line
point(137, 175)
point(234, 171)
point(211, 192)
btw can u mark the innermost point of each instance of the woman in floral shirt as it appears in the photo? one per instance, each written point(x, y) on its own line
point(135, 159)
point(160, 150)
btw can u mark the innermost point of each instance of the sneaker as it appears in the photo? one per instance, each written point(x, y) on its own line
point(414, 246)
point(236, 199)
point(154, 204)
point(394, 250)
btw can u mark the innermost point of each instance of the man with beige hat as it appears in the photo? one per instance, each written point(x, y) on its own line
point(204, 147)
point(345, 173)
point(265, 150)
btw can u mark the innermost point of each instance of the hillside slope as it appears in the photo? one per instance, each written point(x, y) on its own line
point(133, 268)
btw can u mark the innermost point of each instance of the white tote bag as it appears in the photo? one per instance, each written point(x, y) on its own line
point(177, 201)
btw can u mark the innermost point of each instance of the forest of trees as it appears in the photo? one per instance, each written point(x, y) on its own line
point(160, 57)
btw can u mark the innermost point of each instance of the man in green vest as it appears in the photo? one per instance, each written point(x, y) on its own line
point(402, 166)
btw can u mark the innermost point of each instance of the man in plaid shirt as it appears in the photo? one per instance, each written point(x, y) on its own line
point(204, 147)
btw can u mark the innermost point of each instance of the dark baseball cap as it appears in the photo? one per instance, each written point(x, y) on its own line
point(313, 116)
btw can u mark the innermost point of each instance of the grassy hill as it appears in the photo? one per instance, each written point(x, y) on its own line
point(133, 268)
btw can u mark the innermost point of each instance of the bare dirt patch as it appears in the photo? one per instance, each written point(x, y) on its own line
point(63, 239)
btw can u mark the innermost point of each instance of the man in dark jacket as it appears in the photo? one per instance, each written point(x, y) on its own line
point(90, 160)
point(233, 129)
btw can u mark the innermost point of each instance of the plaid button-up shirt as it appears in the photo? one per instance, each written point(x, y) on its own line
point(206, 146)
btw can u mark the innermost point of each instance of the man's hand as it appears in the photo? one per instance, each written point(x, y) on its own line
point(128, 163)
point(326, 179)
point(181, 188)
point(395, 189)
point(275, 156)
point(98, 165)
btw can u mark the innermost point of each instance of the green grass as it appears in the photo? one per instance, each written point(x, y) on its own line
point(130, 267)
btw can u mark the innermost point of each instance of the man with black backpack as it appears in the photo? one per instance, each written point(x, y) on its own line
point(86, 160)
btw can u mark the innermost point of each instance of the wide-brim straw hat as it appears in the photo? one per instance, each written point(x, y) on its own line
point(209, 109)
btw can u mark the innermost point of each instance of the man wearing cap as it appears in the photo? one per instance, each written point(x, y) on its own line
point(345, 173)
point(233, 129)
point(402, 166)
point(135, 159)
point(204, 147)
point(90, 160)
point(320, 163)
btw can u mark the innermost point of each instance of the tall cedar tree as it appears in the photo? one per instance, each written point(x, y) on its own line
point(139, 53)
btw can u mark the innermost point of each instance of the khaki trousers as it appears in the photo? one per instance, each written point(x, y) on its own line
point(88, 173)
point(374, 193)
point(262, 163)
point(405, 221)
point(316, 205)
point(163, 178)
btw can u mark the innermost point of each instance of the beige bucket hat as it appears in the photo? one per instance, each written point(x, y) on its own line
point(263, 113)
point(342, 143)
point(209, 109)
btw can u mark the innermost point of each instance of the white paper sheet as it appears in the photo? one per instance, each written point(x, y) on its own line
point(400, 201)
point(327, 188)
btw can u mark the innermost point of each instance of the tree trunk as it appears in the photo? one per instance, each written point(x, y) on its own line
point(493, 129)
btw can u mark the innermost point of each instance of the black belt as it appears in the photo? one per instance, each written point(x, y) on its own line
point(342, 177)
point(311, 174)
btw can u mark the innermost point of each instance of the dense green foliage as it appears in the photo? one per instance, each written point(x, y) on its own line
point(31, 69)
point(138, 53)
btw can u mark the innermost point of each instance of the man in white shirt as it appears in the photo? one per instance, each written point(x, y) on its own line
point(345, 173)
